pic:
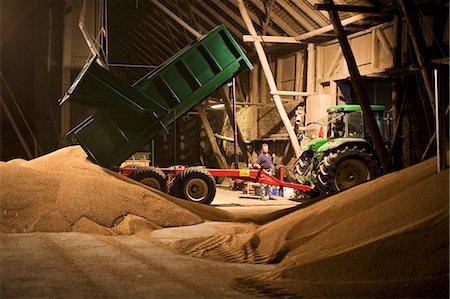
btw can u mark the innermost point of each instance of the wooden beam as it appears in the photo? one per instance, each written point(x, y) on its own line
point(385, 43)
point(300, 19)
point(311, 69)
point(220, 18)
point(212, 139)
point(348, 8)
point(256, 20)
point(309, 10)
point(176, 18)
point(358, 85)
point(291, 93)
point(272, 39)
point(229, 110)
point(232, 15)
point(328, 28)
point(277, 19)
point(237, 33)
point(299, 71)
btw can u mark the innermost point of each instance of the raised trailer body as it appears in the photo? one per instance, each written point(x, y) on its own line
point(128, 117)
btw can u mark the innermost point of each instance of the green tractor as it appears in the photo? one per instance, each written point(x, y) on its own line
point(346, 157)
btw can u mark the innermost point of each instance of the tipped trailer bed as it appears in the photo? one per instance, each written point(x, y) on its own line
point(128, 117)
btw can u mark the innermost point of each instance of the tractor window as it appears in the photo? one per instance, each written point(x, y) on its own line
point(355, 125)
point(336, 127)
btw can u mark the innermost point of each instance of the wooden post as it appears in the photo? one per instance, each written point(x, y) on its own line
point(420, 50)
point(229, 110)
point(270, 80)
point(212, 139)
point(358, 85)
point(311, 69)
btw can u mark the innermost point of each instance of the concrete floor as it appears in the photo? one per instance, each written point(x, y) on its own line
point(77, 265)
point(238, 203)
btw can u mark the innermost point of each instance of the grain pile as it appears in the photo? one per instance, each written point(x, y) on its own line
point(63, 191)
point(386, 238)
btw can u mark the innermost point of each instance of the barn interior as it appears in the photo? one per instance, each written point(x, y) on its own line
point(80, 221)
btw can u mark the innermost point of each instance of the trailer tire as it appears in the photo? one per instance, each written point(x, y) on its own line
point(133, 166)
point(198, 185)
point(343, 169)
point(152, 177)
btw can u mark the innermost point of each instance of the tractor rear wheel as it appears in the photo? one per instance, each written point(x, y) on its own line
point(152, 177)
point(198, 185)
point(343, 169)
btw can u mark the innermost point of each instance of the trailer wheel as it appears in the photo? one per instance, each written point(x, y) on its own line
point(198, 185)
point(346, 168)
point(152, 177)
point(133, 166)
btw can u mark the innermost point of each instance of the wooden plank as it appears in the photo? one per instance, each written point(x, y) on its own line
point(300, 19)
point(229, 12)
point(348, 8)
point(385, 43)
point(299, 66)
point(375, 50)
point(220, 18)
point(256, 19)
point(212, 139)
point(328, 28)
point(229, 110)
point(311, 69)
point(309, 10)
point(272, 39)
point(277, 19)
point(334, 63)
point(254, 84)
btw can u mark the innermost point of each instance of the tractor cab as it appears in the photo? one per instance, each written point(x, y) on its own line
point(346, 158)
point(347, 121)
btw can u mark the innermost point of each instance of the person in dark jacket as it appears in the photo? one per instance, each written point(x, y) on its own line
point(264, 161)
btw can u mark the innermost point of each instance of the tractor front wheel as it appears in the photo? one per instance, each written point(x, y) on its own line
point(346, 168)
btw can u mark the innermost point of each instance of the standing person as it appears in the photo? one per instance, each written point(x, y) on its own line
point(264, 161)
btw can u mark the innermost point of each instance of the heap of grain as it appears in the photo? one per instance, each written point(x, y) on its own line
point(64, 191)
point(385, 238)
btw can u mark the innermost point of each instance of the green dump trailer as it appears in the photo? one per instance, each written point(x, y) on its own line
point(127, 117)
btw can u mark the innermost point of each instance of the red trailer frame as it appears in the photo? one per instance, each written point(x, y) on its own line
point(252, 175)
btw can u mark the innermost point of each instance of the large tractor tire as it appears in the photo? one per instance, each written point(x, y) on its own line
point(303, 166)
point(152, 177)
point(197, 185)
point(343, 169)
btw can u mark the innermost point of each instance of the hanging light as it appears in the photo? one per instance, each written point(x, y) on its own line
point(218, 106)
